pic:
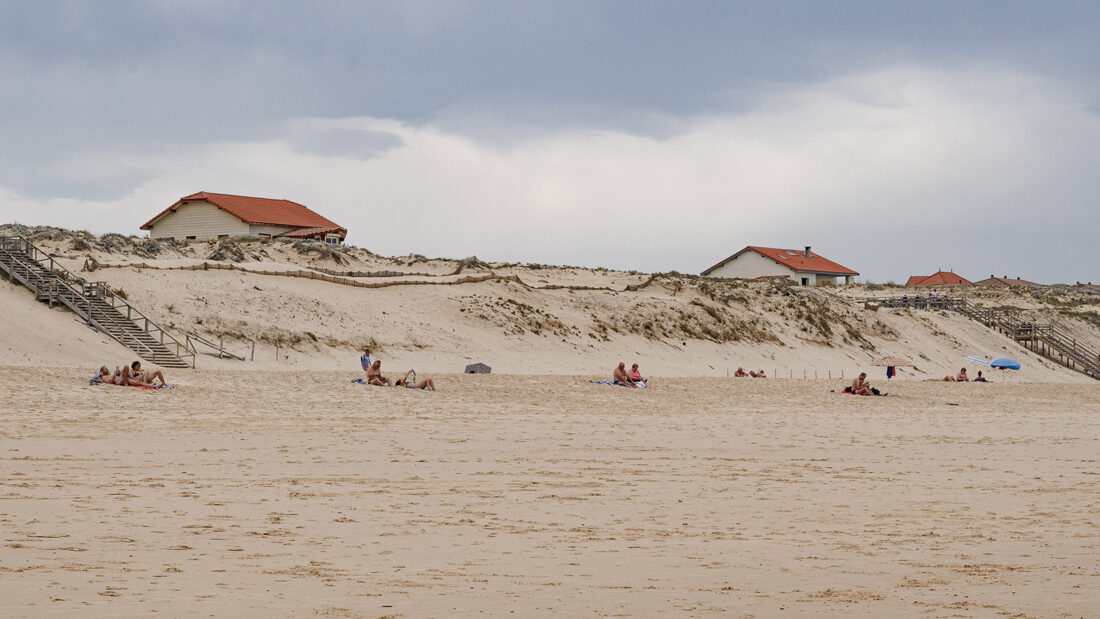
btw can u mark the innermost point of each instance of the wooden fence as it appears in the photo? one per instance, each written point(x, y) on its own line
point(344, 280)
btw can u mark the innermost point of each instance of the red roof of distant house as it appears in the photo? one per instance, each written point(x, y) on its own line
point(793, 259)
point(254, 210)
point(1005, 281)
point(939, 278)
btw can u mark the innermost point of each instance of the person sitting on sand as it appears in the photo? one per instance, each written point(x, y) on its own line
point(374, 375)
point(740, 373)
point(412, 383)
point(619, 376)
point(635, 375)
point(761, 374)
point(962, 377)
point(980, 378)
point(860, 386)
point(145, 379)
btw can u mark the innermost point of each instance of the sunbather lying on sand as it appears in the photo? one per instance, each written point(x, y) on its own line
point(107, 377)
point(619, 376)
point(374, 375)
point(410, 382)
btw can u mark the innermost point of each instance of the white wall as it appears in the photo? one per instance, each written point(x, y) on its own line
point(199, 219)
point(751, 265)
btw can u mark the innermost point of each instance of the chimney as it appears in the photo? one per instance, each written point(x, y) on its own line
point(807, 252)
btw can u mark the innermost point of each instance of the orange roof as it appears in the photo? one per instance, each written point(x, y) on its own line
point(254, 210)
point(793, 259)
point(939, 278)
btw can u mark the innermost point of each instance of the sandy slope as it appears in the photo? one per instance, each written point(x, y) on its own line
point(274, 493)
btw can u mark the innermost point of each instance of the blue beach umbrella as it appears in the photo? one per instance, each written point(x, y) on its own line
point(1004, 363)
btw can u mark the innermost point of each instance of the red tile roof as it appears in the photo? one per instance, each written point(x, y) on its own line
point(794, 259)
point(939, 278)
point(254, 210)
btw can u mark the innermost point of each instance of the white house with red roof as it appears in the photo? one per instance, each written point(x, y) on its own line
point(206, 215)
point(804, 267)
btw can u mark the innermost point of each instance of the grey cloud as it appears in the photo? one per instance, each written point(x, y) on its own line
point(349, 143)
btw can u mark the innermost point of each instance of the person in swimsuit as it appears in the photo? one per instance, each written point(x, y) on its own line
point(635, 375)
point(619, 376)
point(412, 383)
point(138, 377)
point(107, 378)
point(860, 386)
point(962, 377)
point(374, 375)
point(980, 378)
point(740, 373)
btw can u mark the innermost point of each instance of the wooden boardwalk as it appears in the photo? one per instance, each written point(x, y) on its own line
point(95, 302)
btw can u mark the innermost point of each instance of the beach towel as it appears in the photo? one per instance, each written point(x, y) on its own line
point(603, 382)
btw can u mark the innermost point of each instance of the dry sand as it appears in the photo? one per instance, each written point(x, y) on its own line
point(275, 493)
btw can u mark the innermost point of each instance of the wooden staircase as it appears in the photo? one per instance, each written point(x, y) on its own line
point(95, 302)
point(1044, 339)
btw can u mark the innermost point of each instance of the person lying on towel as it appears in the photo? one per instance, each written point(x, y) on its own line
point(410, 382)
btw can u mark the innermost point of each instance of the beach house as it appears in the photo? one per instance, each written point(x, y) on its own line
point(206, 215)
point(803, 267)
point(1006, 282)
point(939, 278)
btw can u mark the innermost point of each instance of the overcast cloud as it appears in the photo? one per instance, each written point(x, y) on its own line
point(896, 138)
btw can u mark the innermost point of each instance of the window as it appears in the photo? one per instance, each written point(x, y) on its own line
point(782, 257)
point(264, 235)
point(223, 236)
point(332, 240)
point(191, 238)
point(792, 253)
point(805, 281)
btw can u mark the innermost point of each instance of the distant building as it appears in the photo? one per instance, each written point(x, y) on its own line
point(804, 267)
point(939, 278)
point(1006, 282)
point(1089, 286)
point(205, 215)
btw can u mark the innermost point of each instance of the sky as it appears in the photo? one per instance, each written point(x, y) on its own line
point(895, 138)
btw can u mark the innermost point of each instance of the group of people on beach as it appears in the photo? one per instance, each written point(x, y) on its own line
point(375, 377)
point(961, 377)
point(740, 373)
point(131, 376)
point(633, 378)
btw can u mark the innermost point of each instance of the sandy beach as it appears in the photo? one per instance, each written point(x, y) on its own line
point(300, 494)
